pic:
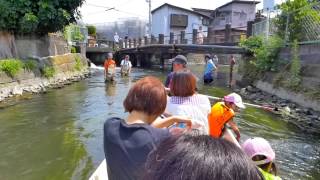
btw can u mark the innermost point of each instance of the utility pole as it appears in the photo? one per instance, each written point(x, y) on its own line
point(150, 25)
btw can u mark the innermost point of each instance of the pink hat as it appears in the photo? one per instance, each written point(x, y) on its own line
point(236, 99)
point(258, 146)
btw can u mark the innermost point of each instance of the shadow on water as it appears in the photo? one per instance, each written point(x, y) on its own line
point(59, 135)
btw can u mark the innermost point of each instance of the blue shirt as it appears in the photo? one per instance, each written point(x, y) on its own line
point(210, 67)
point(126, 147)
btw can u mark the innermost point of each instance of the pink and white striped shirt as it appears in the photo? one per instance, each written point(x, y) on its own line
point(197, 107)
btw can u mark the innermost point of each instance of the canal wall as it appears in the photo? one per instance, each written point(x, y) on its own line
point(30, 46)
point(308, 93)
point(50, 72)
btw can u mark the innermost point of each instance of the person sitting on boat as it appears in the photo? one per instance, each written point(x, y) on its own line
point(178, 63)
point(127, 143)
point(109, 68)
point(209, 69)
point(259, 150)
point(199, 157)
point(222, 113)
point(186, 101)
point(126, 66)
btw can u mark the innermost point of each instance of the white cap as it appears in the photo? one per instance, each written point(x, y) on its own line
point(236, 99)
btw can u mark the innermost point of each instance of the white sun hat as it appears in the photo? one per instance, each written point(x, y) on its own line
point(236, 99)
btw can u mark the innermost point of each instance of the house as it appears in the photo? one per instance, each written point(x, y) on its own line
point(169, 18)
point(236, 13)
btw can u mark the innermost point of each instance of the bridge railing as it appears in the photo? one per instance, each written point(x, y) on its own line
point(212, 36)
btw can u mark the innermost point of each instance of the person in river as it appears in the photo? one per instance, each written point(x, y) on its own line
point(232, 63)
point(126, 66)
point(222, 113)
point(186, 101)
point(178, 63)
point(127, 143)
point(109, 68)
point(192, 156)
point(209, 69)
point(259, 150)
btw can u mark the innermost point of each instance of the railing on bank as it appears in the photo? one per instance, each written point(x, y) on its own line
point(305, 22)
point(195, 37)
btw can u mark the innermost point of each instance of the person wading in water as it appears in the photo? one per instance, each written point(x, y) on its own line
point(126, 66)
point(109, 68)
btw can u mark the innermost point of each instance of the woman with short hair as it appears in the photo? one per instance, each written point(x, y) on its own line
point(199, 157)
point(128, 142)
point(187, 102)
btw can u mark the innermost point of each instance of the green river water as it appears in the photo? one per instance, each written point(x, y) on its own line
point(58, 135)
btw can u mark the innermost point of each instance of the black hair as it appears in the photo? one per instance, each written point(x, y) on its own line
point(199, 157)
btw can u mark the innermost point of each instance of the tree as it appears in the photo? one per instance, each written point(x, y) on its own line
point(294, 12)
point(37, 16)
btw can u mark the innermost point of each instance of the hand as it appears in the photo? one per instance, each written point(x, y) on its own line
point(182, 119)
point(237, 132)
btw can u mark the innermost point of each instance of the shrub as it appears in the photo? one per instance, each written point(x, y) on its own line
point(78, 66)
point(30, 65)
point(295, 67)
point(73, 49)
point(11, 66)
point(92, 30)
point(48, 72)
point(265, 52)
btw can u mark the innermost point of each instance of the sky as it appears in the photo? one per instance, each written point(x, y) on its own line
point(99, 11)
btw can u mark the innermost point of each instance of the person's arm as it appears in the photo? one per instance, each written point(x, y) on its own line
point(166, 122)
point(235, 128)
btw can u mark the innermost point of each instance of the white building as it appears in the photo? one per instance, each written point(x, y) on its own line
point(168, 18)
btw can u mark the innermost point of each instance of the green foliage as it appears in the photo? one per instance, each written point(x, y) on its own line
point(295, 68)
point(265, 52)
point(78, 66)
point(48, 72)
point(92, 30)
point(37, 16)
point(295, 12)
point(73, 49)
point(30, 65)
point(11, 66)
point(73, 33)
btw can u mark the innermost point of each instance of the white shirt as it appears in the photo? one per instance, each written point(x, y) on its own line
point(197, 107)
point(116, 38)
point(125, 64)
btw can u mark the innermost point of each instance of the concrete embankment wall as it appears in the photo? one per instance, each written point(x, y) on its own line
point(33, 81)
point(308, 95)
point(29, 46)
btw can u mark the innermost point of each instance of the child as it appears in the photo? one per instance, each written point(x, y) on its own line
point(261, 153)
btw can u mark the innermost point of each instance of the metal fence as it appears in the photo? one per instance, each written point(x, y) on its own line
point(307, 28)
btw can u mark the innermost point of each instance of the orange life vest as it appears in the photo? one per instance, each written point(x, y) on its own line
point(219, 116)
point(109, 66)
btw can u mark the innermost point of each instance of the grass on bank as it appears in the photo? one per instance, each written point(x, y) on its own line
point(78, 66)
point(48, 72)
point(11, 66)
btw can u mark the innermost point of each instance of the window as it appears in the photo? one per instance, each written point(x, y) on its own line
point(178, 20)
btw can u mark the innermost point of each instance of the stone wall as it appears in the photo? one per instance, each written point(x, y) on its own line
point(28, 46)
point(34, 82)
point(310, 67)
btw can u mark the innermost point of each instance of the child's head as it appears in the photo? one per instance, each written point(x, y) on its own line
point(234, 101)
point(261, 153)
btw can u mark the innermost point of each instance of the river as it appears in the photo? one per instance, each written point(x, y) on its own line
point(58, 135)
